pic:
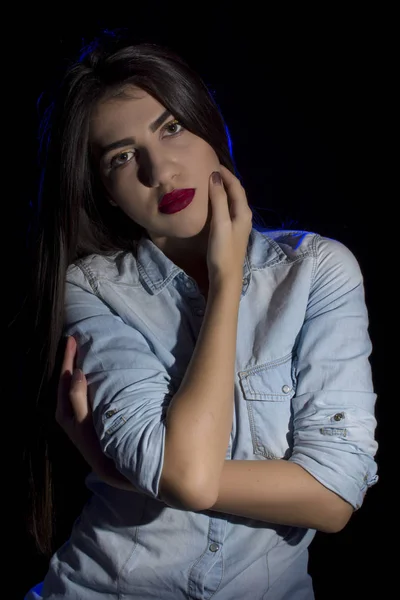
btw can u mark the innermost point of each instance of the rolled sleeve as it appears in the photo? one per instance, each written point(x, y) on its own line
point(128, 387)
point(333, 407)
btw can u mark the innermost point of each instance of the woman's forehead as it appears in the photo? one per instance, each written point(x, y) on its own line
point(133, 111)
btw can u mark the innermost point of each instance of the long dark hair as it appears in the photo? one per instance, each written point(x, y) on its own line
point(74, 219)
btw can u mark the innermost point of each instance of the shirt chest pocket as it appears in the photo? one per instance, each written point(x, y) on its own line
point(267, 391)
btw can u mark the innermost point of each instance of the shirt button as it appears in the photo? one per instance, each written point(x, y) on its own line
point(286, 389)
point(110, 413)
point(189, 285)
point(213, 547)
point(339, 416)
point(199, 312)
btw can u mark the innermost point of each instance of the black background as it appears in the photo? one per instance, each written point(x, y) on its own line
point(307, 100)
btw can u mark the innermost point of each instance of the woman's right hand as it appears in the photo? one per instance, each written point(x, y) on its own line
point(230, 227)
point(74, 415)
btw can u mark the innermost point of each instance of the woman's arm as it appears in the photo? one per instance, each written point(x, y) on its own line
point(274, 491)
point(278, 491)
point(74, 415)
point(200, 413)
point(331, 464)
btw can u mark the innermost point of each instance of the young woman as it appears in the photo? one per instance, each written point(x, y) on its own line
point(226, 406)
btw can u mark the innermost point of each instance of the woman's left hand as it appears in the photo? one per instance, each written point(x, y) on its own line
point(74, 415)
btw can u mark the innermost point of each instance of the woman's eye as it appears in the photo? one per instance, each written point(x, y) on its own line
point(173, 127)
point(122, 158)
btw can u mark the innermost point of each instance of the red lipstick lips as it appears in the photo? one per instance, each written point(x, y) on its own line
point(176, 200)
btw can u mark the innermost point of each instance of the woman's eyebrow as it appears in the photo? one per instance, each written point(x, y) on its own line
point(130, 140)
point(159, 121)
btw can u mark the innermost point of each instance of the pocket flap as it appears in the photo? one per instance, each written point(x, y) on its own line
point(271, 382)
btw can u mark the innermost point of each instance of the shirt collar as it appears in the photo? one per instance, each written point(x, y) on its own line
point(156, 270)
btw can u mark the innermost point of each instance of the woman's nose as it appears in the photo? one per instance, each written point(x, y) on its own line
point(156, 168)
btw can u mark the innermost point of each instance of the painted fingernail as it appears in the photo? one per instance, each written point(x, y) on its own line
point(216, 177)
point(77, 375)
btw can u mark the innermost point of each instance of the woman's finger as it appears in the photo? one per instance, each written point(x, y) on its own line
point(72, 400)
point(237, 199)
point(218, 198)
point(78, 396)
point(228, 197)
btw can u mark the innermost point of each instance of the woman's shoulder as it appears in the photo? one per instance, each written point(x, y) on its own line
point(291, 238)
point(294, 243)
point(118, 266)
point(285, 246)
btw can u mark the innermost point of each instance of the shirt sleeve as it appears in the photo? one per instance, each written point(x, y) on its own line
point(333, 407)
point(128, 387)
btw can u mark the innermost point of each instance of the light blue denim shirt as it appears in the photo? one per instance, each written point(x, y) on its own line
point(303, 393)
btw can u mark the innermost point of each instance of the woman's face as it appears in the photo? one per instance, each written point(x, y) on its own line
point(142, 153)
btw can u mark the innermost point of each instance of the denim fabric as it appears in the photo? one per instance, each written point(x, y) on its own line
point(303, 393)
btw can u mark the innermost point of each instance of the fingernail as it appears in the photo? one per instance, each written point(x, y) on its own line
point(77, 375)
point(216, 177)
